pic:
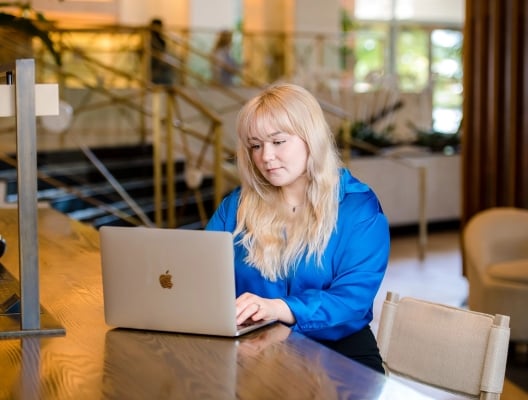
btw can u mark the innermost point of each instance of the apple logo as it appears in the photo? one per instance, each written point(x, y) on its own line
point(166, 280)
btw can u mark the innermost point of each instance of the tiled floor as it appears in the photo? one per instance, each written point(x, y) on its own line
point(438, 278)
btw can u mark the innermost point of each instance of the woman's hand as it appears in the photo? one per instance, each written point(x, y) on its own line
point(251, 306)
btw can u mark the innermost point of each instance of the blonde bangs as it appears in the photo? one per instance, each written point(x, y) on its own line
point(254, 120)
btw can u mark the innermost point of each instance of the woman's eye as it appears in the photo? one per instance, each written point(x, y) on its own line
point(254, 146)
point(277, 142)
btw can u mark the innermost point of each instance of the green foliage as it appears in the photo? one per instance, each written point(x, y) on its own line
point(345, 51)
point(347, 23)
point(364, 132)
point(434, 141)
point(437, 141)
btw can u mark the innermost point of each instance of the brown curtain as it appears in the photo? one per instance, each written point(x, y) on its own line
point(495, 111)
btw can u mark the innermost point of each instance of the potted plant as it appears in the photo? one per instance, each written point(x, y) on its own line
point(21, 19)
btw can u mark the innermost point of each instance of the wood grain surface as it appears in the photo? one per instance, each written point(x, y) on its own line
point(96, 361)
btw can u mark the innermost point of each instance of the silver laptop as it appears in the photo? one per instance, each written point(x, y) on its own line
point(174, 280)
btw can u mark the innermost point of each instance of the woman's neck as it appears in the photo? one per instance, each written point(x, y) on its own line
point(293, 201)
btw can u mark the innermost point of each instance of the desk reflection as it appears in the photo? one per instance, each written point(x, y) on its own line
point(143, 364)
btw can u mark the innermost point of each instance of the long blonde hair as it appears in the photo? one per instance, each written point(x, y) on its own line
point(274, 242)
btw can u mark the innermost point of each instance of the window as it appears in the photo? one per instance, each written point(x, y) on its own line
point(419, 42)
point(447, 79)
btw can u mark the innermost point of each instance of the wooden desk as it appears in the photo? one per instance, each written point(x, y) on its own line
point(93, 361)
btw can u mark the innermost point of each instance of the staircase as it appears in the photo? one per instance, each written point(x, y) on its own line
point(71, 184)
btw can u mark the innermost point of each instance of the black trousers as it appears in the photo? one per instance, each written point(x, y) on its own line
point(361, 347)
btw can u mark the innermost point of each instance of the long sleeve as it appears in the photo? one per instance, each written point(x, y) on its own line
point(354, 266)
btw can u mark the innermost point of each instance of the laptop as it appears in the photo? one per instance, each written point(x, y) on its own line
point(174, 280)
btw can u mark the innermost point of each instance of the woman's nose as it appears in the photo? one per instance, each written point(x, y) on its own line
point(268, 152)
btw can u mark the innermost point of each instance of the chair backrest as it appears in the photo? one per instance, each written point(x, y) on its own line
point(446, 347)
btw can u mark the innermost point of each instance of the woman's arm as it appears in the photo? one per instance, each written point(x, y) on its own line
point(357, 256)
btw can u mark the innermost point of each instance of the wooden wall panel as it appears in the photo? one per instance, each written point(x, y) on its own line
point(495, 122)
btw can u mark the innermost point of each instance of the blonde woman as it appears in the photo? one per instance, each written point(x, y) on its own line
point(311, 241)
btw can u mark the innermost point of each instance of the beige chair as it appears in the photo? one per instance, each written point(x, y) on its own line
point(448, 348)
point(495, 251)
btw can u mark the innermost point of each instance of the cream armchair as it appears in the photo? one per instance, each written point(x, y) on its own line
point(495, 251)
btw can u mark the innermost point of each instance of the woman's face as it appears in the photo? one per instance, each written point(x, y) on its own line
point(280, 157)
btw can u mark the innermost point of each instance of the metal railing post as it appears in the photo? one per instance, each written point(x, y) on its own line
point(27, 192)
point(31, 319)
point(169, 162)
point(156, 148)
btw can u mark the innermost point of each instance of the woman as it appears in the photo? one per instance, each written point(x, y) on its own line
point(224, 66)
point(311, 241)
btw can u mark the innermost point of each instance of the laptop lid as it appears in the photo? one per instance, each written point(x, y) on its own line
point(175, 280)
